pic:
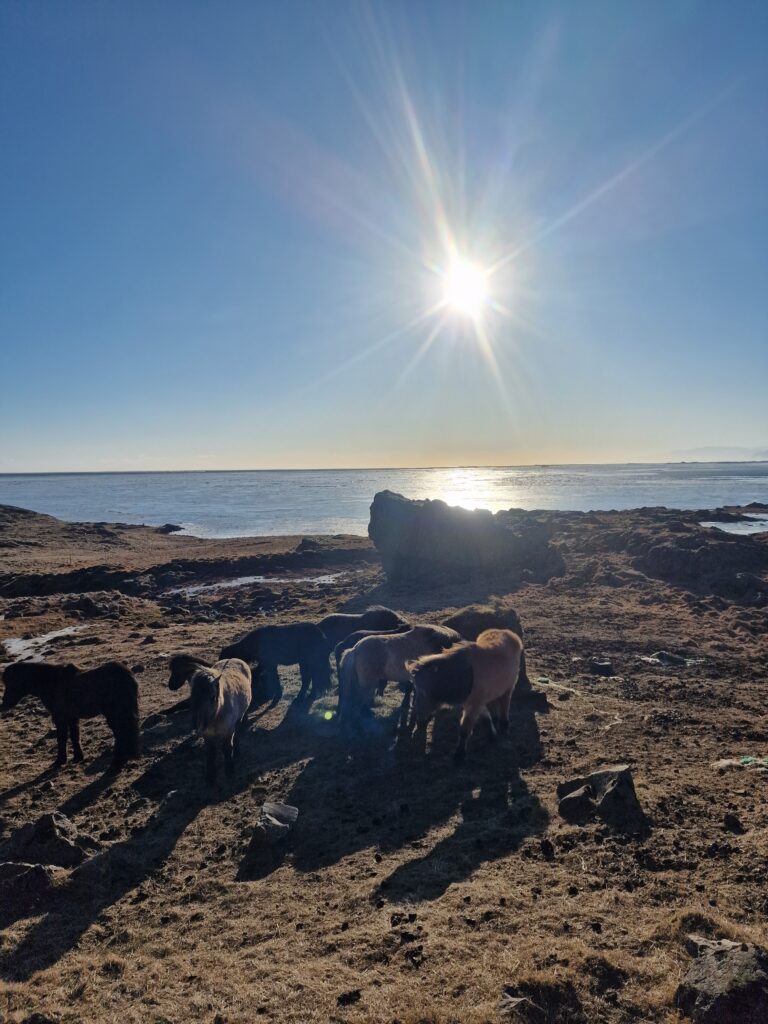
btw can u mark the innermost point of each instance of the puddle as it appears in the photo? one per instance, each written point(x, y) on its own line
point(244, 581)
point(758, 523)
point(18, 648)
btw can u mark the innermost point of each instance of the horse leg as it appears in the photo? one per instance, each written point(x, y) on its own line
point(485, 713)
point(321, 678)
point(119, 754)
point(210, 761)
point(306, 678)
point(503, 704)
point(468, 718)
point(61, 742)
point(405, 705)
point(229, 754)
point(274, 687)
point(74, 735)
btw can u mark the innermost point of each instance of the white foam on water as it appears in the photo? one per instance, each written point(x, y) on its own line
point(244, 581)
point(20, 648)
point(758, 524)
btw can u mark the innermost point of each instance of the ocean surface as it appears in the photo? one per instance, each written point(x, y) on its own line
point(249, 503)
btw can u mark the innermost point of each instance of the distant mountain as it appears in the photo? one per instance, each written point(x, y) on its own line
point(723, 454)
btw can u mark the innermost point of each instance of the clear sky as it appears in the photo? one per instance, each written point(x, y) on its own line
point(270, 234)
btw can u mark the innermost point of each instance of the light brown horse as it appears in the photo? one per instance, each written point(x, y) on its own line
point(475, 675)
point(220, 697)
point(376, 660)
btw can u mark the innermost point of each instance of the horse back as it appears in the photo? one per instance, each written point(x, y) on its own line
point(97, 691)
point(496, 658)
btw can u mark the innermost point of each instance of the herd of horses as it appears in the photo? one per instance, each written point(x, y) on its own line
point(435, 664)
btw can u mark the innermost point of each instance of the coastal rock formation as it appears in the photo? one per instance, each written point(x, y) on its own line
point(424, 540)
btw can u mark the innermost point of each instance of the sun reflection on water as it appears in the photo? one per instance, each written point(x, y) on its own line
point(472, 488)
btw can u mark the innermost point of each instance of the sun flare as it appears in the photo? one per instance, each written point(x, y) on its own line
point(465, 288)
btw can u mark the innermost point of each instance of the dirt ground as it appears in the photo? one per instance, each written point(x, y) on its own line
point(409, 890)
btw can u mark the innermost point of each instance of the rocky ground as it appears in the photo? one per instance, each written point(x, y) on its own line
point(408, 890)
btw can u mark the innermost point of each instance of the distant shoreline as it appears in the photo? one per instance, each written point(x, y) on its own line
point(383, 469)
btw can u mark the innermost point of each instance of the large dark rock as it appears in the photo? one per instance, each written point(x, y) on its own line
point(726, 984)
point(52, 839)
point(430, 540)
point(609, 794)
point(23, 885)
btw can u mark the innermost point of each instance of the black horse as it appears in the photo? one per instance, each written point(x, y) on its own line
point(70, 693)
point(295, 643)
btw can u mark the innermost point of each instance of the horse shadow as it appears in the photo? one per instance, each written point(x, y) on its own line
point(497, 812)
point(22, 787)
point(383, 792)
point(175, 782)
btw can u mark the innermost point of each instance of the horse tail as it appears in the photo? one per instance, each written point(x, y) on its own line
point(348, 680)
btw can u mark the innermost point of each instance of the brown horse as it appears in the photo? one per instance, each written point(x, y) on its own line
point(70, 693)
point(361, 634)
point(220, 697)
point(383, 658)
point(474, 675)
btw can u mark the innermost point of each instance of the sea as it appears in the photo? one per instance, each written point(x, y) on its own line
point(332, 501)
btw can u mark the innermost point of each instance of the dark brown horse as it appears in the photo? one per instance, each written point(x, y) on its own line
point(70, 693)
point(377, 619)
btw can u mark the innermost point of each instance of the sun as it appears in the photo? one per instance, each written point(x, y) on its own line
point(465, 288)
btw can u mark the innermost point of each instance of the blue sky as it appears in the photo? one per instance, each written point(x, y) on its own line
point(218, 221)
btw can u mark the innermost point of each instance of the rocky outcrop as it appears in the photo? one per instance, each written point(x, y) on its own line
point(608, 794)
point(430, 540)
point(52, 839)
point(726, 984)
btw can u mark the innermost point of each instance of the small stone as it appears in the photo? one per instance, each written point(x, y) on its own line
point(547, 849)
point(349, 998)
point(733, 824)
point(601, 667)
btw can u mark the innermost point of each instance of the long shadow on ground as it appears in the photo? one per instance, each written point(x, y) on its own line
point(384, 795)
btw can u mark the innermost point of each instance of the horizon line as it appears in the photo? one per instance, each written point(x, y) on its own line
point(382, 469)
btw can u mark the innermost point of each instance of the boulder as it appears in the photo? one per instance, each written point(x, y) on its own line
point(609, 793)
point(601, 667)
point(52, 839)
point(24, 882)
point(430, 540)
point(578, 807)
point(726, 984)
point(274, 824)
